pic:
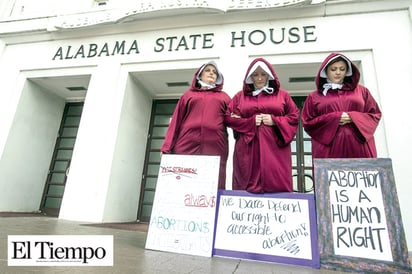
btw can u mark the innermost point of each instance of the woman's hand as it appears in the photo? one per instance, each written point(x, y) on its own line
point(258, 119)
point(266, 119)
point(233, 115)
point(345, 119)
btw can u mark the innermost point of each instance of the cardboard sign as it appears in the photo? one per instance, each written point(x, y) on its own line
point(279, 227)
point(360, 225)
point(184, 206)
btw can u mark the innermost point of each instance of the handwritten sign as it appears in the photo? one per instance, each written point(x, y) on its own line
point(184, 206)
point(358, 215)
point(278, 227)
point(360, 226)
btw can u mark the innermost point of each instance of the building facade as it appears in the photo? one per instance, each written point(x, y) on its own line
point(87, 88)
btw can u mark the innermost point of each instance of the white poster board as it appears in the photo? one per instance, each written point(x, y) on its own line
point(184, 206)
point(358, 215)
point(274, 227)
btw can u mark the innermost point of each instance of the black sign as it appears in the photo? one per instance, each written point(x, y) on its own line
point(359, 220)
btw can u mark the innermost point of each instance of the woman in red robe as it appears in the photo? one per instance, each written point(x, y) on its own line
point(197, 126)
point(264, 119)
point(341, 115)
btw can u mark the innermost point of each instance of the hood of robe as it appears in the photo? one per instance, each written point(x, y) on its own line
point(274, 82)
point(351, 79)
point(195, 86)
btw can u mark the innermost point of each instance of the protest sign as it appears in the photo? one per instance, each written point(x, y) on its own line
point(184, 206)
point(277, 227)
point(359, 221)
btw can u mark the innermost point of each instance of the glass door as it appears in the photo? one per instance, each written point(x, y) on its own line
point(162, 111)
point(60, 163)
point(302, 155)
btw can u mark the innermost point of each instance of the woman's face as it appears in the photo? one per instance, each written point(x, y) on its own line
point(260, 78)
point(336, 72)
point(209, 74)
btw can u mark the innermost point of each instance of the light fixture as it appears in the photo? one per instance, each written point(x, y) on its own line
point(101, 2)
point(301, 79)
point(177, 84)
point(76, 88)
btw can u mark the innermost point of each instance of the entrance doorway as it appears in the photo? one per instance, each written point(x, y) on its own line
point(302, 155)
point(162, 111)
point(60, 163)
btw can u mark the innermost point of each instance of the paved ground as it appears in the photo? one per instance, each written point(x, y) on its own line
point(130, 255)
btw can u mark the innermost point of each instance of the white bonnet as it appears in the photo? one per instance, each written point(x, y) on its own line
point(348, 72)
point(264, 66)
point(219, 79)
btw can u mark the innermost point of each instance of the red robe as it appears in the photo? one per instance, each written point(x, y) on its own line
point(197, 126)
point(321, 115)
point(262, 160)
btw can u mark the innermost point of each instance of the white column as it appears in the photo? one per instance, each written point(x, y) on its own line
point(88, 180)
